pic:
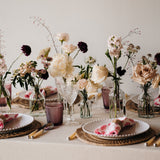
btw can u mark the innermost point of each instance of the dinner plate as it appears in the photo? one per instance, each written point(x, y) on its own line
point(21, 121)
point(139, 128)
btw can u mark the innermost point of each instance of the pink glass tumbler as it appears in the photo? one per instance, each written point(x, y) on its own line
point(105, 96)
point(54, 112)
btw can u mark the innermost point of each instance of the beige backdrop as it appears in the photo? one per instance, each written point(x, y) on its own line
point(91, 21)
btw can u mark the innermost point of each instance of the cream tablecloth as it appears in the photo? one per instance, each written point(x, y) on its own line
point(53, 145)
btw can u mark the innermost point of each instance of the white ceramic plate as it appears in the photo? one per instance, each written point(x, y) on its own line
point(21, 121)
point(138, 128)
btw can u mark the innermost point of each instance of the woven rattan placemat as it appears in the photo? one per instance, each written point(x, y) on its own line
point(91, 139)
point(20, 132)
point(131, 106)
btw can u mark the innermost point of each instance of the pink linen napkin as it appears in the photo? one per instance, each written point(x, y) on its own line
point(5, 118)
point(114, 127)
point(47, 91)
point(157, 101)
point(27, 94)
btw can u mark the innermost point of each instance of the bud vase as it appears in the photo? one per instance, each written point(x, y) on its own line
point(4, 95)
point(37, 102)
point(116, 102)
point(145, 104)
point(85, 109)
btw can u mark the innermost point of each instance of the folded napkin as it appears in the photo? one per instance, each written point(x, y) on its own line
point(114, 127)
point(47, 91)
point(5, 118)
point(27, 94)
point(157, 101)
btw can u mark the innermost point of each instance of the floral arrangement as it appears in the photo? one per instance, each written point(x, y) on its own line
point(88, 82)
point(28, 75)
point(4, 72)
point(62, 64)
point(116, 48)
point(145, 73)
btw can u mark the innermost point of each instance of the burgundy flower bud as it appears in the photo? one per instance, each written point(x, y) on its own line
point(49, 59)
point(43, 74)
point(26, 50)
point(157, 58)
point(83, 47)
point(121, 71)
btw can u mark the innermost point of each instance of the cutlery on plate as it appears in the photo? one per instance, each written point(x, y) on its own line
point(36, 133)
point(150, 141)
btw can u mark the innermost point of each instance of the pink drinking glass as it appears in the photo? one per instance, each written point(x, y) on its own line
point(105, 96)
point(54, 112)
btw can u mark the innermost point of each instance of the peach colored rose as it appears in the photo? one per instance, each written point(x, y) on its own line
point(69, 48)
point(92, 88)
point(62, 37)
point(99, 74)
point(156, 81)
point(143, 73)
point(81, 84)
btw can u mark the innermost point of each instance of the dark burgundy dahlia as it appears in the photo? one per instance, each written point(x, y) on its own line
point(43, 74)
point(157, 58)
point(26, 50)
point(83, 47)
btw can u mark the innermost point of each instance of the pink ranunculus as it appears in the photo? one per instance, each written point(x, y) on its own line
point(63, 37)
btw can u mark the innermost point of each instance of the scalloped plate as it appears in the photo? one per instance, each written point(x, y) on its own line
point(139, 128)
point(21, 121)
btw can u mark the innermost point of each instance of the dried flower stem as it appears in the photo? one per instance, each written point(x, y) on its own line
point(39, 20)
point(134, 31)
point(76, 54)
point(14, 62)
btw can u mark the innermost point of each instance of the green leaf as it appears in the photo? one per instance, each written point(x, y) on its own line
point(9, 102)
point(6, 74)
point(120, 55)
point(26, 85)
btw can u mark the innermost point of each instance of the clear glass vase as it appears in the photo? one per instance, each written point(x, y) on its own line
point(5, 98)
point(146, 104)
point(86, 109)
point(116, 102)
point(69, 112)
point(157, 103)
point(37, 102)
